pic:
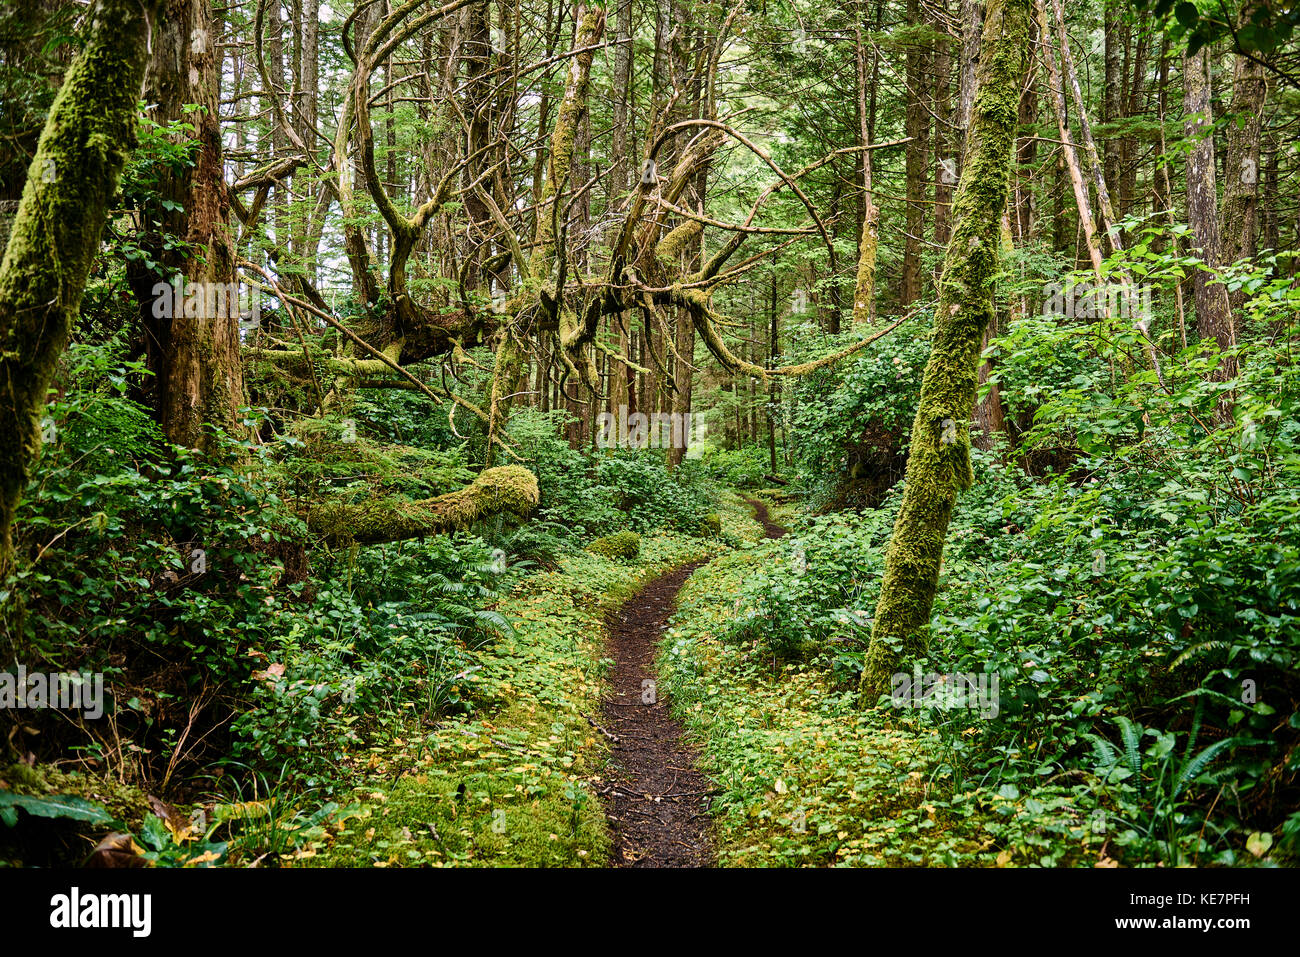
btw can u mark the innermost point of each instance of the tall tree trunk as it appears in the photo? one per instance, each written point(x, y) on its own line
point(864, 293)
point(917, 125)
point(1069, 155)
point(1241, 167)
point(938, 462)
point(1126, 188)
point(1115, 29)
point(193, 346)
point(618, 395)
point(1213, 311)
point(972, 28)
point(56, 231)
point(773, 390)
point(945, 173)
point(1109, 220)
point(478, 110)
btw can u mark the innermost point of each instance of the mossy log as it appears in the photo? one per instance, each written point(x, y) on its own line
point(938, 463)
point(507, 488)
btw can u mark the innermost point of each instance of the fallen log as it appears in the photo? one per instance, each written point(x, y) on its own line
point(507, 488)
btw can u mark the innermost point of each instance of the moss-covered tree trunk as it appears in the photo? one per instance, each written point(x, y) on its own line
point(56, 232)
point(938, 462)
point(496, 491)
point(864, 292)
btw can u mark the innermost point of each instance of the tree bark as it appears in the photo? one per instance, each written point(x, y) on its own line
point(864, 293)
point(1213, 311)
point(1242, 163)
point(945, 176)
point(917, 125)
point(1069, 155)
point(192, 352)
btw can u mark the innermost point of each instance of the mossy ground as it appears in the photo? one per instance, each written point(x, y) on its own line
point(515, 784)
point(619, 545)
point(737, 518)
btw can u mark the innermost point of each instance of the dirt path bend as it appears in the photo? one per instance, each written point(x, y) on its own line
point(657, 802)
point(770, 528)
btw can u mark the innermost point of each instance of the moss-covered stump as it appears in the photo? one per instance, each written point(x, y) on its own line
point(619, 545)
point(56, 838)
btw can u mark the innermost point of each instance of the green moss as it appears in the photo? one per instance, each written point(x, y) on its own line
point(864, 295)
point(618, 545)
point(670, 248)
point(124, 802)
point(506, 488)
point(506, 375)
point(711, 525)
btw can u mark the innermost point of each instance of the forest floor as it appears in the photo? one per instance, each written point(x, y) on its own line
point(531, 777)
point(803, 775)
point(770, 528)
point(624, 723)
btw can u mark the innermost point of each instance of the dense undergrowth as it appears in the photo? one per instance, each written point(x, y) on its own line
point(1126, 565)
point(1129, 571)
point(253, 675)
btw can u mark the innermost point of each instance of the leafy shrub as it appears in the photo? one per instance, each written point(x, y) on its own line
point(186, 583)
point(652, 496)
point(735, 468)
point(852, 420)
point(585, 494)
point(813, 597)
point(1152, 585)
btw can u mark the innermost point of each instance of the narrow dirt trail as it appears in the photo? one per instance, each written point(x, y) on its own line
point(657, 801)
point(770, 528)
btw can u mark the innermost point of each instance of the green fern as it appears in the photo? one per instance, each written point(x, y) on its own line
point(1131, 734)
